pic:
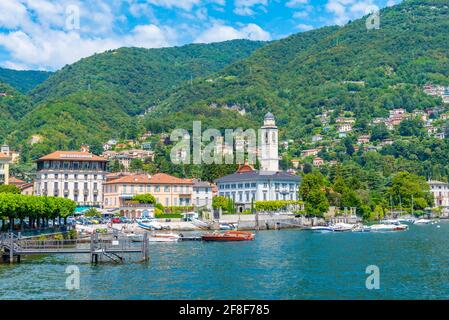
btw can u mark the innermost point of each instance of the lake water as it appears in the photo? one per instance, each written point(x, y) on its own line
point(288, 264)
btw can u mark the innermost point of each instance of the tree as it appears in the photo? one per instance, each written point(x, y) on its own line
point(9, 188)
point(145, 198)
point(92, 212)
point(407, 188)
point(313, 193)
point(379, 132)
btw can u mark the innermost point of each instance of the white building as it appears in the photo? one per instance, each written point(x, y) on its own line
point(78, 176)
point(248, 185)
point(202, 194)
point(4, 168)
point(440, 192)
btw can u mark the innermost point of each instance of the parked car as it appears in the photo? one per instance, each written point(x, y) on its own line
point(116, 220)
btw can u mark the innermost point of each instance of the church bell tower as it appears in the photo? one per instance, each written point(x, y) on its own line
point(269, 154)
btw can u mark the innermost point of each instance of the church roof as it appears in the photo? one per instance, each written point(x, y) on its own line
point(269, 115)
point(256, 175)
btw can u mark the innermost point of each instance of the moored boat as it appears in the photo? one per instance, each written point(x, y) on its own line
point(423, 221)
point(342, 227)
point(164, 237)
point(229, 236)
point(321, 229)
point(389, 227)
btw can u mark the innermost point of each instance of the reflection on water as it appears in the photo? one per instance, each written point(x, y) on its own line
point(289, 264)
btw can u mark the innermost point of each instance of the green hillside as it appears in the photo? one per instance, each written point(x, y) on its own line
point(13, 105)
point(23, 81)
point(339, 68)
point(99, 97)
point(138, 78)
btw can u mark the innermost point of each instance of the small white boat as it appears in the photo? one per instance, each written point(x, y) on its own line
point(152, 225)
point(199, 223)
point(342, 227)
point(423, 221)
point(228, 226)
point(361, 228)
point(388, 227)
point(164, 237)
point(321, 229)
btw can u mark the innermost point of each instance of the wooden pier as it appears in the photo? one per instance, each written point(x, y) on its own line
point(113, 248)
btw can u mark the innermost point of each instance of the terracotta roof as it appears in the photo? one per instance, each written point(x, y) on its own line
point(159, 178)
point(3, 156)
point(72, 155)
point(14, 180)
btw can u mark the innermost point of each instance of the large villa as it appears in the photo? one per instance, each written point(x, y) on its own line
point(248, 185)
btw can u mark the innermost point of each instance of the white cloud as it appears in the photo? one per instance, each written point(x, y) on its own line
point(304, 27)
point(53, 49)
point(296, 3)
point(245, 7)
point(183, 4)
point(345, 10)
point(12, 14)
point(219, 32)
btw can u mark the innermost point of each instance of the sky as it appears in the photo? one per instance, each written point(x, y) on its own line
point(48, 34)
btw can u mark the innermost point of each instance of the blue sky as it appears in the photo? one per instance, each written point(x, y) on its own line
point(48, 34)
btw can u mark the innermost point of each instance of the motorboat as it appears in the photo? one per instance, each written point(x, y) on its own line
point(150, 226)
point(361, 228)
point(163, 237)
point(228, 226)
point(231, 235)
point(322, 229)
point(423, 221)
point(342, 227)
point(199, 223)
point(388, 227)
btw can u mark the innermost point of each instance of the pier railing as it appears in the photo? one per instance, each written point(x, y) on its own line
point(110, 247)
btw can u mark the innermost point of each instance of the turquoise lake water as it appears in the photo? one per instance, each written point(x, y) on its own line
point(288, 264)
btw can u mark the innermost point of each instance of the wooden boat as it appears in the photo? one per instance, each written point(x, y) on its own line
point(231, 235)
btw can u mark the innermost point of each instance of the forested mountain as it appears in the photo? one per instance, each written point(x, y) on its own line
point(348, 68)
point(23, 81)
point(140, 77)
point(101, 96)
point(234, 83)
point(13, 105)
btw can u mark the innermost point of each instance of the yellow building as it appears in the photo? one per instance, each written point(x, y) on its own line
point(4, 168)
point(168, 190)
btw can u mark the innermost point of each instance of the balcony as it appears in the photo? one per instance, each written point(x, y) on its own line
point(66, 191)
point(56, 192)
point(95, 192)
point(85, 192)
point(76, 191)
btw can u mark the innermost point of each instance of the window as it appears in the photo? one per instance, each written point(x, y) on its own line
point(95, 186)
point(166, 189)
point(264, 196)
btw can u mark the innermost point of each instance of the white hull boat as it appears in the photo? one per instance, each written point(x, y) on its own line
point(342, 227)
point(388, 227)
point(164, 237)
point(321, 229)
point(423, 221)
